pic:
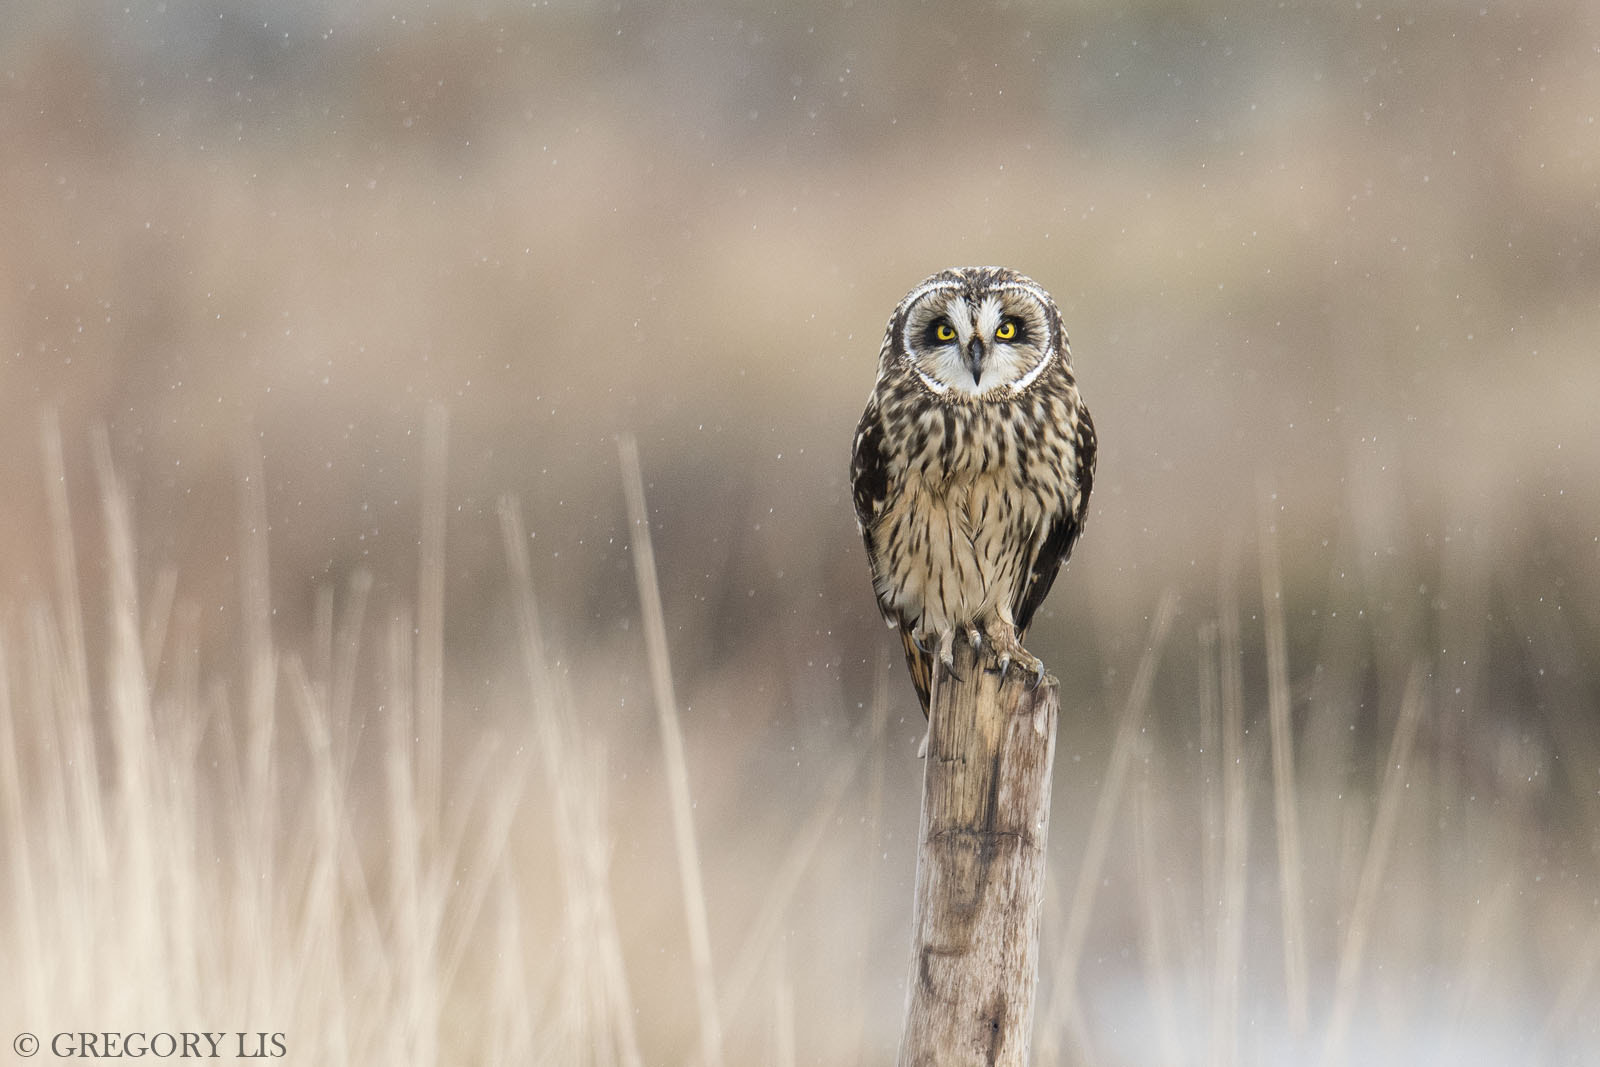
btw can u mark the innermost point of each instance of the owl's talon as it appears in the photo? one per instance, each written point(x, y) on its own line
point(975, 637)
point(1009, 652)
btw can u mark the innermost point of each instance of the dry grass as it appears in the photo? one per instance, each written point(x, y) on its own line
point(288, 860)
point(655, 629)
point(305, 854)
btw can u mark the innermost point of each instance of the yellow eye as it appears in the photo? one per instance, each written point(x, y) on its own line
point(1007, 330)
point(945, 332)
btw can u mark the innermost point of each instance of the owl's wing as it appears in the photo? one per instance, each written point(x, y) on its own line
point(869, 486)
point(920, 664)
point(1060, 535)
point(869, 471)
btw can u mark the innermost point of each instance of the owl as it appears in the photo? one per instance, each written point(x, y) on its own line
point(972, 466)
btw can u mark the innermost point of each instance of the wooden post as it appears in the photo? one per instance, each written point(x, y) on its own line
point(980, 866)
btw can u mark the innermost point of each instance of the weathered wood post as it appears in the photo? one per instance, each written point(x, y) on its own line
point(980, 866)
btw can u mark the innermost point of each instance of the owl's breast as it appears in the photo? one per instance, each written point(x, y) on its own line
point(970, 490)
point(955, 444)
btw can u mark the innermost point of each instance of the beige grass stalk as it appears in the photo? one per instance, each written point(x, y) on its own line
point(316, 955)
point(14, 844)
point(598, 1005)
point(853, 1028)
point(765, 930)
point(1358, 929)
point(140, 833)
point(255, 605)
point(344, 719)
point(655, 632)
point(430, 619)
point(65, 838)
point(1227, 973)
point(1291, 887)
point(157, 619)
point(508, 1018)
point(68, 598)
point(512, 1040)
point(1149, 814)
point(1207, 705)
point(1064, 995)
point(256, 866)
point(414, 1036)
point(553, 729)
point(610, 997)
point(61, 681)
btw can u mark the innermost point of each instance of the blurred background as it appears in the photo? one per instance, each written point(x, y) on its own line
point(1332, 278)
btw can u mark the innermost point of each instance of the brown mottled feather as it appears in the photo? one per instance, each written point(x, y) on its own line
point(920, 664)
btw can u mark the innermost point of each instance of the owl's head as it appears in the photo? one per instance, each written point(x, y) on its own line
point(977, 332)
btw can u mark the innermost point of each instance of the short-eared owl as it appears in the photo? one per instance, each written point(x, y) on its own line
point(972, 465)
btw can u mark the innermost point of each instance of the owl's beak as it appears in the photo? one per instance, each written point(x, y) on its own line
point(975, 358)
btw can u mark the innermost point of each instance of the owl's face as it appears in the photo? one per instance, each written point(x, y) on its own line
point(978, 332)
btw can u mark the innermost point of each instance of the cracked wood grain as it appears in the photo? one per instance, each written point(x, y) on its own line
point(980, 866)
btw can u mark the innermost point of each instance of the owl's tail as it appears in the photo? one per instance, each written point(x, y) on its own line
point(920, 664)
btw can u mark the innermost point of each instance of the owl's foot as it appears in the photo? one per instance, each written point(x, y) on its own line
point(1008, 649)
point(945, 646)
point(941, 643)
